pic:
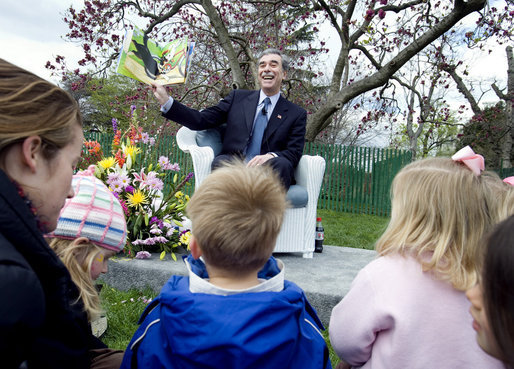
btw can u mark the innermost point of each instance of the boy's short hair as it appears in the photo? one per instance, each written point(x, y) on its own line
point(236, 216)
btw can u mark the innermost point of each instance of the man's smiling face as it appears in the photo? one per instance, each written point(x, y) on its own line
point(271, 74)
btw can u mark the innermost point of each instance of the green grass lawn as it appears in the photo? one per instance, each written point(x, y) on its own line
point(352, 230)
point(341, 229)
point(123, 310)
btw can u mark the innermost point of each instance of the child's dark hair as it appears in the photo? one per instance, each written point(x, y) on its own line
point(498, 287)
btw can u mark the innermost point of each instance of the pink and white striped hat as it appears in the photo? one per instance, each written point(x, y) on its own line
point(94, 212)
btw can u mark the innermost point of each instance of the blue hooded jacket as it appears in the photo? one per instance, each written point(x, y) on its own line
point(180, 329)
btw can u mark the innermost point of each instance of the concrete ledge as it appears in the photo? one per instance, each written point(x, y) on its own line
point(325, 278)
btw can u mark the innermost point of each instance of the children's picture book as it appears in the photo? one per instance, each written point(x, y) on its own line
point(146, 61)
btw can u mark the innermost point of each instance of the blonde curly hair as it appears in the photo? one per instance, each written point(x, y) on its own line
point(439, 215)
point(78, 258)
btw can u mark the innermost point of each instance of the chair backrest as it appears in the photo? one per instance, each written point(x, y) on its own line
point(297, 195)
point(212, 137)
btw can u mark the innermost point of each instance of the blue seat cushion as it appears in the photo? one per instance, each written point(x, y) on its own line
point(210, 137)
point(297, 196)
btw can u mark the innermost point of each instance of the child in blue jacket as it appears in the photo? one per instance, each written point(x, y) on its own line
point(234, 310)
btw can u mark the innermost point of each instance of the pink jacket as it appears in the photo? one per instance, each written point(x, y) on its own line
point(397, 316)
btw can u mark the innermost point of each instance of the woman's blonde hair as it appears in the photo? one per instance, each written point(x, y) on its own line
point(32, 106)
point(439, 215)
point(78, 258)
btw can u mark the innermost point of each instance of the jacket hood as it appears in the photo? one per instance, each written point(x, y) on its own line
point(258, 328)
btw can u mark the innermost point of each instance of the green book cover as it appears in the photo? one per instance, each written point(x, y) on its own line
point(146, 61)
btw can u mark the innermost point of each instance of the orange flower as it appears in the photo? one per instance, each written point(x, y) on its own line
point(120, 158)
point(116, 140)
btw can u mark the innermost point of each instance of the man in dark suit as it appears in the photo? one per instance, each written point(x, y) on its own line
point(262, 126)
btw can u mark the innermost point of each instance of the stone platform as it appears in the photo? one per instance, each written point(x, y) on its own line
point(325, 278)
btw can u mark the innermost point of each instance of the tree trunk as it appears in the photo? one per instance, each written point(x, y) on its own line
point(226, 44)
point(336, 100)
point(509, 111)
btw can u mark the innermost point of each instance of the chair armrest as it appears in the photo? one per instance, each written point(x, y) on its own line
point(202, 156)
point(186, 138)
point(309, 174)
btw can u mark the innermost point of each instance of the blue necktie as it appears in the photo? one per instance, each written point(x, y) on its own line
point(254, 147)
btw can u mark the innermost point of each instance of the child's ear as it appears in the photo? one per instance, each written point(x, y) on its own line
point(80, 240)
point(196, 252)
point(31, 150)
point(80, 253)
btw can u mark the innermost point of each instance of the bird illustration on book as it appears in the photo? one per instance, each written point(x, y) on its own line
point(150, 61)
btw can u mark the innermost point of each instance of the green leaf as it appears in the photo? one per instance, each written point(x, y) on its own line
point(146, 219)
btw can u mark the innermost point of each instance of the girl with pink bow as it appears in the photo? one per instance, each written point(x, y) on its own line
point(407, 308)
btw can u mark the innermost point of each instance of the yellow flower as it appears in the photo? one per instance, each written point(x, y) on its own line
point(131, 151)
point(179, 194)
point(107, 163)
point(137, 199)
point(184, 239)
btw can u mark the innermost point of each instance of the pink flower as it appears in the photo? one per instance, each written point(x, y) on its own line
point(156, 184)
point(143, 255)
point(141, 177)
point(125, 180)
point(111, 177)
point(155, 230)
point(173, 167)
point(150, 180)
point(145, 138)
point(369, 14)
point(116, 186)
point(164, 162)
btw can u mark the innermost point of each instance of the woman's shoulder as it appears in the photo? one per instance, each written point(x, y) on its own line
point(22, 294)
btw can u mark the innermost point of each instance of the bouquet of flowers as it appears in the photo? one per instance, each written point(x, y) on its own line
point(149, 192)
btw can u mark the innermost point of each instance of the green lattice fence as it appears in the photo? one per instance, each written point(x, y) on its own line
point(357, 179)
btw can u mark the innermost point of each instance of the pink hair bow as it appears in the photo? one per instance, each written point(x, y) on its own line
point(509, 180)
point(473, 161)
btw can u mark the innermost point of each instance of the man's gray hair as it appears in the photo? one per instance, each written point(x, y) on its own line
point(285, 58)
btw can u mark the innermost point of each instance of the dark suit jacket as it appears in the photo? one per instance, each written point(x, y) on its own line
point(284, 135)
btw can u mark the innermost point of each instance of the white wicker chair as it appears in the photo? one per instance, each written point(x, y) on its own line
point(298, 230)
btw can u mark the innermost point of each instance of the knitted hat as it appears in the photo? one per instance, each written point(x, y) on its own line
point(94, 212)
